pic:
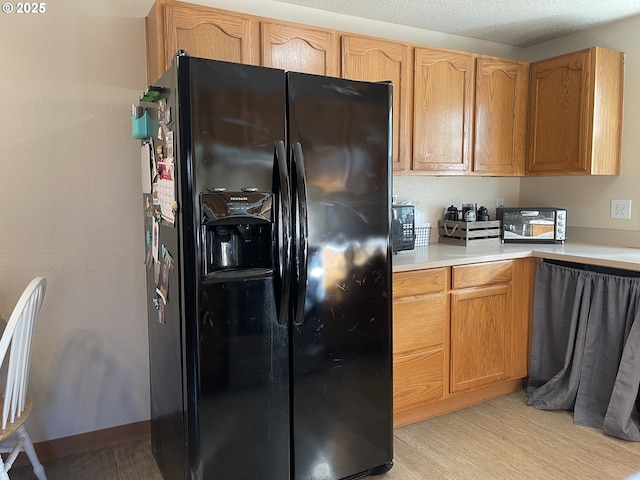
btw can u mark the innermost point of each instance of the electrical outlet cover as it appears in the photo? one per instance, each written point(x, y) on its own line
point(621, 209)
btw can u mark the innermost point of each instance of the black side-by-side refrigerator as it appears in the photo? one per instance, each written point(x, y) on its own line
point(268, 273)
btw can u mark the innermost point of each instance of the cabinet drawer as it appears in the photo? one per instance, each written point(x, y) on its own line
point(418, 323)
point(419, 282)
point(481, 274)
point(418, 379)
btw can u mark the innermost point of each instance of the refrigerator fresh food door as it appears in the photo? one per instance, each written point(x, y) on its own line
point(341, 328)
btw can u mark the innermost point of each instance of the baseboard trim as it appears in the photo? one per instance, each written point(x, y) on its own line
point(88, 442)
point(456, 402)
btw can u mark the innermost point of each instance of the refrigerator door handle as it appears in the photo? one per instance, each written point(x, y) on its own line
point(284, 231)
point(303, 227)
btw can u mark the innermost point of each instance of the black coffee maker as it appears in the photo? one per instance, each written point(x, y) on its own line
point(451, 213)
point(483, 214)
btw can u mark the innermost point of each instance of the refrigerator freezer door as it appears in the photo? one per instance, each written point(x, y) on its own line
point(238, 114)
point(341, 351)
point(244, 391)
point(241, 394)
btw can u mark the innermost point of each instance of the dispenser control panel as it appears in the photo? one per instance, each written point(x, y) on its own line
point(225, 207)
point(237, 232)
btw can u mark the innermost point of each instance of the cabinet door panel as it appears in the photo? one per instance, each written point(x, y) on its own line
point(417, 379)
point(300, 49)
point(575, 114)
point(443, 111)
point(500, 116)
point(206, 33)
point(559, 100)
point(375, 60)
point(418, 324)
point(479, 336)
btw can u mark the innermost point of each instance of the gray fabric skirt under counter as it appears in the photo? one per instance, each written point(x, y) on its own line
point(585, 352)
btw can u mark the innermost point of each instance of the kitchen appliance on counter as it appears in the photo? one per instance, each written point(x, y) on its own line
point(267, 221)
point(403, 227)
point(532, 224)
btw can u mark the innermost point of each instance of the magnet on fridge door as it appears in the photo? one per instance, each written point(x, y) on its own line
point(141, 127)
point(152, 94)
point(145, 166)
point(169, 140)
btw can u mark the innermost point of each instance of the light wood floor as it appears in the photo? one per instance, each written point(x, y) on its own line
point(499, 439)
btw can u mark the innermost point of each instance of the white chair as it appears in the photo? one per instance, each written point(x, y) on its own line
point(17, 339)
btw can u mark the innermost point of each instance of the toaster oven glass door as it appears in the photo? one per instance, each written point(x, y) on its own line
point(529, 225)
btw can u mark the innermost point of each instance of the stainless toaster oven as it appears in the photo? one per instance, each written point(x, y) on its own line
point(532, 224)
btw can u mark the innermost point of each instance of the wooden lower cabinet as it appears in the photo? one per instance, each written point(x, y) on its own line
point(418, 379)
point(419, 338)
point(461, 335)
point(479, 318)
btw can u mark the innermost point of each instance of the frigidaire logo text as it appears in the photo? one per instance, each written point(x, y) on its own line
point(239, 199)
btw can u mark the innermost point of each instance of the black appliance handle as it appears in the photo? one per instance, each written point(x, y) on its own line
point(303, 238)
point(283, 234)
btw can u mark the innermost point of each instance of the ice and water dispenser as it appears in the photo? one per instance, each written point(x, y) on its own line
point(236, 231)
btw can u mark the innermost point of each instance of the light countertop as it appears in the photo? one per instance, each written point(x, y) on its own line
point(441, 254)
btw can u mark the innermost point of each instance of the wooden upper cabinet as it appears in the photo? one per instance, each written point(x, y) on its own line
point(154, 33)
point(454, 113)
point(300, 49)
point(200, 31)
point(500, 120)
point(575, 114)
point(207, 33)
point(443, 111)
point(374, 60)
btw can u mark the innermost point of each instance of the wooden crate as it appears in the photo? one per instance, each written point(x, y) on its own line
point(469, 233)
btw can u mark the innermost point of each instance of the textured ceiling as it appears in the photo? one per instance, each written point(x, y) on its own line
point(520, 23)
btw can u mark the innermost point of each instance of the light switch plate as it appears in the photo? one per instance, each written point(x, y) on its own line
point(621, 209)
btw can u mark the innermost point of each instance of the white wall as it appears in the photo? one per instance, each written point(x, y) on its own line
point(71, 211)
point(588, 199)
point(432, 195)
